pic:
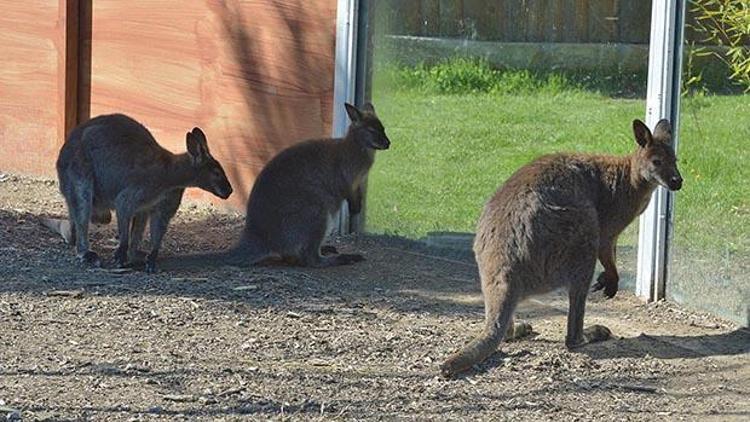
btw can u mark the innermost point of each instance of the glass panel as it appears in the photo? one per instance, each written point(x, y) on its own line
point(710, 266)
point(469, 91)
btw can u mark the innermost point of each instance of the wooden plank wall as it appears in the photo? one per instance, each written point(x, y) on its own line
point(32, 84)
point(256, 76)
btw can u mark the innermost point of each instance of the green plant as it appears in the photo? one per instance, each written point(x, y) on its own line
point(726, 23)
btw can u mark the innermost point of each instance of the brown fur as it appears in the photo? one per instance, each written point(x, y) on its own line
point(550, 221)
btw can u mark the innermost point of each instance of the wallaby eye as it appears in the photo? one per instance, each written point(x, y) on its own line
point(657, 162)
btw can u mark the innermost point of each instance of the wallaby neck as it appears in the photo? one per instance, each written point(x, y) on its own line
point(355, 158)
point(625, 192)
point(180, 172)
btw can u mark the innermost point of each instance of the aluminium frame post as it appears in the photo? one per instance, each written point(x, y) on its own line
point(345, 79)
point(662, 101)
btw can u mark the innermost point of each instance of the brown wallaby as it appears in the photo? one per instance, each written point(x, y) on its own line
point(546, 225)
point(295, 197)
point(113, 162)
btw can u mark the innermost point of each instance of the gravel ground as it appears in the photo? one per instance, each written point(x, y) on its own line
point(356, 342)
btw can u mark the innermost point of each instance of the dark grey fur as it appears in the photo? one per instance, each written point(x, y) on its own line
point(295, 197)
point(548, 223)
point(112, 162)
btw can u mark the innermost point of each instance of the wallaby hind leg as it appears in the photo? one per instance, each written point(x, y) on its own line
point(124, 222)
point(136, 236)
point(499, 304)
point(310, 255)
point(79, 201)
point(159, 220)
point(577, 293)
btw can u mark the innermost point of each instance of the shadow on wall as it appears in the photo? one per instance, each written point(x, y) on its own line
point(279, 83)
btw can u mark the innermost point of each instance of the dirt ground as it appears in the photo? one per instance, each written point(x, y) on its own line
point(356, 342)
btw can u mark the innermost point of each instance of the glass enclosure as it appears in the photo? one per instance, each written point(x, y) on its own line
point(710, 248)
point(469, 91)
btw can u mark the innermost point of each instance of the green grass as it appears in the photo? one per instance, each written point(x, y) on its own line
point(451, 150)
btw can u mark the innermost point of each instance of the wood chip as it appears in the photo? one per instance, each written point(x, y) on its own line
point(190, 279)
point(66, 293)
point(119, 270)
point(294, 315)
point(180, 398)
point(636, 387)
point(248, 287)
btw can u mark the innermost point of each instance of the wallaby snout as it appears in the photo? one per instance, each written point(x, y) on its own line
point(222, 189)
point(384, 143)
point(675, 183)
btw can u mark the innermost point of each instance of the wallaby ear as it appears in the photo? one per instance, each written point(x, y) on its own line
point(642, 133)
point(197, 145)
point(663, 131)
point(368, 108)
point(354, 114)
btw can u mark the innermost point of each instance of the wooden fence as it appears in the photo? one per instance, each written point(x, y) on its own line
point(570, 21)
point(256, 76)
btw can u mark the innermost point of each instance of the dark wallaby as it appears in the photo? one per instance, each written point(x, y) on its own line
point(547, 224)
point(113, 162)
point(295, 197)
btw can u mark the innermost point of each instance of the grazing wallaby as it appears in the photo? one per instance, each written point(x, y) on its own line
point(548, 223)
point(295, 197)
point(113, 162)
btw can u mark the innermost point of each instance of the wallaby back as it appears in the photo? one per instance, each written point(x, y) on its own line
point(113, 162)
point(548, 223)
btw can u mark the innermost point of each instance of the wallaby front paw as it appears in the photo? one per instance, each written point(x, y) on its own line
point(608, 284)
point(91, 259)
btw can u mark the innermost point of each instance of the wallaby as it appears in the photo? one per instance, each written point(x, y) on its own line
point(546, 225)
point(113, 162)
point(295, 197)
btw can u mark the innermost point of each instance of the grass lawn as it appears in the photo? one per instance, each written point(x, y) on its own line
point(451, 151)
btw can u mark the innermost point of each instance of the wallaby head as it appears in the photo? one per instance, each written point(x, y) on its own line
point(210, 175)
point(655, 158)
point(366, 128)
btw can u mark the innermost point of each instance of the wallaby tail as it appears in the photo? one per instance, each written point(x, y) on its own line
point(473, 353)
point(61, 227)
point(499, 318)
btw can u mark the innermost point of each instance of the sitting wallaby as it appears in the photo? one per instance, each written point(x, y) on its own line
point(113, 162)
point(295, 197)
point(546, 225)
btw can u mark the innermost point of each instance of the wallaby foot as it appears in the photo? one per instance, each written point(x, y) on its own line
point(150, 267)
point(120, 259)
point(348, 258)
point(608, 284)
point(328, 250)
point(335, 260)
point(592, 334)
point(90, 258)
point(519, 330)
